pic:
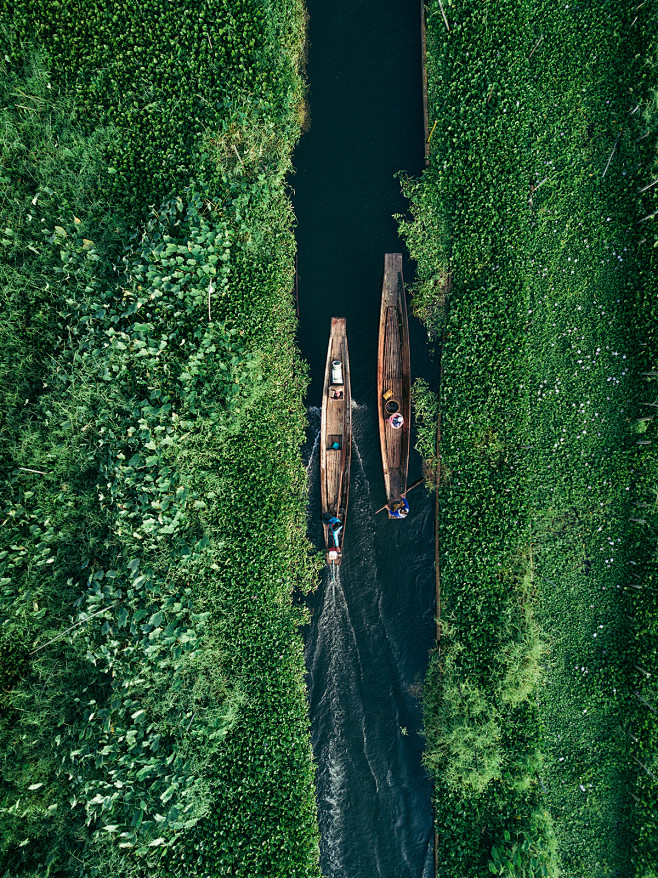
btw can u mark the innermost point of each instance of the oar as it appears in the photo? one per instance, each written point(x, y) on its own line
point(410, 488)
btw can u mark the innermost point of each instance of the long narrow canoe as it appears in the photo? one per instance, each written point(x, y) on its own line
point(394, 385)
point(335, 441)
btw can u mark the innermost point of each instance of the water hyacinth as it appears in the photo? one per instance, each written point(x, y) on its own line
point(549, 322)
point(152, 708)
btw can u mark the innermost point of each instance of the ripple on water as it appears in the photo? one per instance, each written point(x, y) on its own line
point(373, 796)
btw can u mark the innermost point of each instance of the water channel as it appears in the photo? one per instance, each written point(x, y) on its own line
point(372, 625)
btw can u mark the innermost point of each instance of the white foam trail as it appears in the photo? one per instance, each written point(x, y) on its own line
point(313, 458)
point(314, 416)
point(338, 646)
point(362, 472)
point(333, 832)
point(359, 409)
point(336, 769)
point(350, 658)
point(428, 871)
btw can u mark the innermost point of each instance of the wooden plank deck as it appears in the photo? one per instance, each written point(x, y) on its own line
point(336, 431)
point(394, 375)
point(393, 382)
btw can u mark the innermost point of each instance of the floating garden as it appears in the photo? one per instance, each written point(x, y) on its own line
point(536, 258)
point(154, 716)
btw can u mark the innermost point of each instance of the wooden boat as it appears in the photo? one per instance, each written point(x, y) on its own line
point(394, 385)
point(335, 441)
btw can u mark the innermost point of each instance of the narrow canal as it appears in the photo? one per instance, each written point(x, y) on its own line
point(372, 625)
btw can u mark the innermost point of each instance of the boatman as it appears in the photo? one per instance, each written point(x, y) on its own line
point(396, 421)
point(335, 526)
point(400, 509)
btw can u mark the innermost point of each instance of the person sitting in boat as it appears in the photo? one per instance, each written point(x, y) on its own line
point(335, 392)
point(335, 526)
point(396, 421)
point(399, 509)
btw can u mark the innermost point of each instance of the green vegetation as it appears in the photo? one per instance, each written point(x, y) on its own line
point(426, 409)
point(537, 268)
point(176, 82)
point(153, 708)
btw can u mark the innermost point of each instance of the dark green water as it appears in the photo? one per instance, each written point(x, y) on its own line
point(372, 626)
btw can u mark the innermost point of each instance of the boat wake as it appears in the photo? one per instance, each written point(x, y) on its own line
point(312, 445)
point(373, 799)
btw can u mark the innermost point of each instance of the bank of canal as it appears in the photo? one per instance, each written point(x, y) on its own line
point(373, 625)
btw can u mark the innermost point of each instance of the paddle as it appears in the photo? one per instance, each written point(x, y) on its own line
point(410, 488)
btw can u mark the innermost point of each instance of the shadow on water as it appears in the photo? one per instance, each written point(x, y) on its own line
point(366, 652)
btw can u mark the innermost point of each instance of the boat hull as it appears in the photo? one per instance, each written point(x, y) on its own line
point(394, 382)
point(336, 441)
